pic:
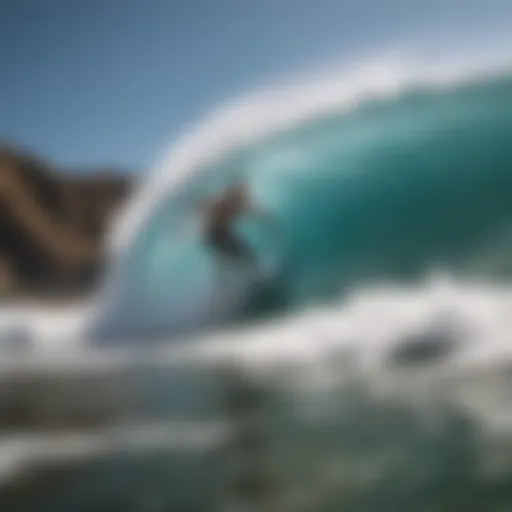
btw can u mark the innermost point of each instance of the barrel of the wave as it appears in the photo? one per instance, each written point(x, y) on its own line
point(159, 286)
point(171, 283)
point(388, 191)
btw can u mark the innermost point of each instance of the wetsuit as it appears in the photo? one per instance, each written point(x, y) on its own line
point(218, 229)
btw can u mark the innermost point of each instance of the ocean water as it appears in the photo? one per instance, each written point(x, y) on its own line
point(393, 185)
point(369, 371)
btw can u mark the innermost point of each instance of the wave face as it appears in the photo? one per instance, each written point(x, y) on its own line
point(391, 188)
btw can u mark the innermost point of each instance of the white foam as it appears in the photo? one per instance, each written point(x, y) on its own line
point(41, 325)
point(443, 337)
point(23, 451)
point(371, 323)
point(374, 321)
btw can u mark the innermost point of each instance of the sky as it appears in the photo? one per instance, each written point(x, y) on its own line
point(114, 82)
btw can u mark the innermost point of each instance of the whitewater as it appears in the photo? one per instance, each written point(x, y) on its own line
point(374, 369)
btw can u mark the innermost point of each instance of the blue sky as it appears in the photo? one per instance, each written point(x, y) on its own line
point(87, 82)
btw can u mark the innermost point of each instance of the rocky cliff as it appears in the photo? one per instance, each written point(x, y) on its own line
point(53, 225)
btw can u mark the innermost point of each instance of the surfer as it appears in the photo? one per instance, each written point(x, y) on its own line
point(219, 216)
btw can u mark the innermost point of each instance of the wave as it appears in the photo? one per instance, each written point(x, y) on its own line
point(386, 174)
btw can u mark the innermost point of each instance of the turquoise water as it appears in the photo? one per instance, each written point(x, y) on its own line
point(392, 189)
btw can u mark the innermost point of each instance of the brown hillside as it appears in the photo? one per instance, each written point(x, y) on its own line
point(53, 225)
